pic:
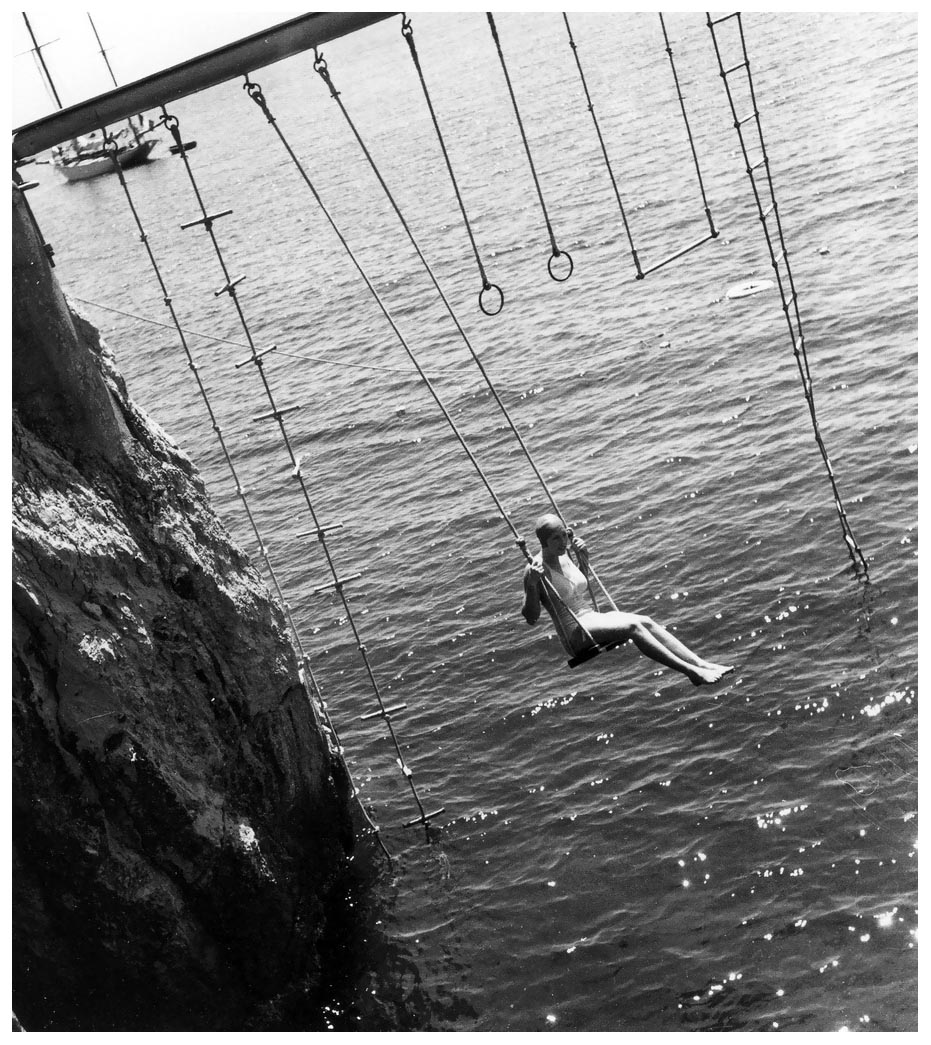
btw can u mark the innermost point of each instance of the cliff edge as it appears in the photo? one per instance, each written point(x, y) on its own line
point(181, 824)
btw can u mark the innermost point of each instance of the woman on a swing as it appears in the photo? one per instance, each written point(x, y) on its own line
point(552, 580)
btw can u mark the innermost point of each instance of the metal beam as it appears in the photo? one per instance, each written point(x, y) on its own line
point(197, 74)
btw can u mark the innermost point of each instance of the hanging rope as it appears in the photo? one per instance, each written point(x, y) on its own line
point(255, 93)
point(313, 692)
point(780, 260)
point(713, 232)
point(604, 150)
point(256, 358)
point(485, 304)
point(688, 130)
point(557, 253)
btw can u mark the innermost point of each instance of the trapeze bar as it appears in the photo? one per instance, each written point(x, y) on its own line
point(426, 817)
point(277, 414)
point(697, 243)
point(207, 219)
point(383, 712)
point(320, 532)
point(338, 585)
point(197, 74)
point(230, 287)
point(255, 357)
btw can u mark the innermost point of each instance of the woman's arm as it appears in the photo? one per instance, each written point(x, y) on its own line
point(531, 607)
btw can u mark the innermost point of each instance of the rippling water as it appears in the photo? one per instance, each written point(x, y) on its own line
point(619, 850)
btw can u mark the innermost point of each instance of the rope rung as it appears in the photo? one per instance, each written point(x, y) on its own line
point(759, 163)
point(718, 21)
point(207, 219)
point(789, 302)
point(296, 470)
point(777, 261)
point(766, 213)
point(255, 356)
point(746, 119)
point(277, 414)
point(337, 585)
point(229, 287)
point(382, 712)
point(733, 69)
point(426, 817)
point(678, 254)
point(320, 532)
point(24, 186)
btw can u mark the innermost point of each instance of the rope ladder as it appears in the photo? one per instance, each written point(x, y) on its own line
point(277, 414)
point(768, 212)
point(308, 681)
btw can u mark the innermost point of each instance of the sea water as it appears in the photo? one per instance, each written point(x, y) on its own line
point(619, 850)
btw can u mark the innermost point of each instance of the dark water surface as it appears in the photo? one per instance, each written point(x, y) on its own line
point(620, 851)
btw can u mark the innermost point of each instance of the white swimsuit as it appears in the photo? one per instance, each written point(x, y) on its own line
point(573, 604)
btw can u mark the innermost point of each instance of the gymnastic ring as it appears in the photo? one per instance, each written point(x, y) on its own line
point(549, 265)
point(481, 295)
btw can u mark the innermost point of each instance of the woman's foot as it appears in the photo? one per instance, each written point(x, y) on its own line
point(710, 673)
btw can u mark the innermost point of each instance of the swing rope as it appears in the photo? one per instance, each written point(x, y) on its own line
point(255, 93)
point(407, 32)
point(321, 67)
point(780, 263)
point(604, 151)
point(318, 531)
point(313, 691)
point(557, 253)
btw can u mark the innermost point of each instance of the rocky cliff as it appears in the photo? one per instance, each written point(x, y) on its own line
point(181, 825)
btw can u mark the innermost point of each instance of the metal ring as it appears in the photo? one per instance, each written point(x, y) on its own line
point(549, 265)
point(481, 303)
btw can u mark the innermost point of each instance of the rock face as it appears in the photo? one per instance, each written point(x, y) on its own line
point(181, 825)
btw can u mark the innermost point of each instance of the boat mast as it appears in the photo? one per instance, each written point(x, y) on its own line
point(38, 51)
point(103, 53)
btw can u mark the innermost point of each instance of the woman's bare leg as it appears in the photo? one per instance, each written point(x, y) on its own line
point(673, 644)
point(619, 626)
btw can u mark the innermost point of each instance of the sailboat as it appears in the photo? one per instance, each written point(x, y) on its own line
point(85, 157)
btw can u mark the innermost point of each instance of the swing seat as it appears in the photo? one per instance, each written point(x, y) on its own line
point(590, 653)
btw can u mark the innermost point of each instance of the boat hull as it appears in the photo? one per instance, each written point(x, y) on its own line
point(83, 170)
